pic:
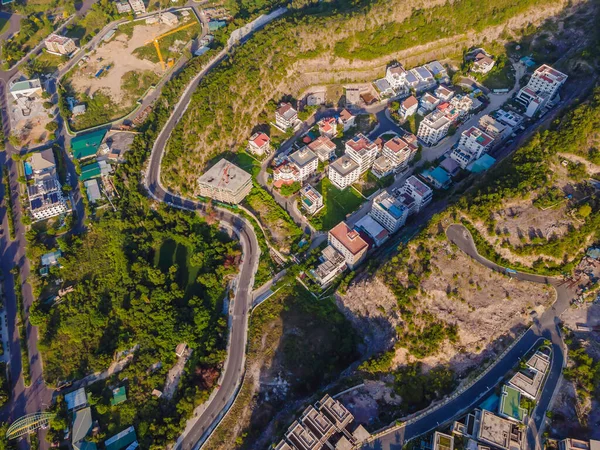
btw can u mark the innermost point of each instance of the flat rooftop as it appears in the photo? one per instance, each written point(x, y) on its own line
point(303, 157)
point(225, 175)
point(344, 165)
point(495, 430)
point(510, 403)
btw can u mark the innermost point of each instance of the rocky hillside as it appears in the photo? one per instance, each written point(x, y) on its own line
point(324, 44)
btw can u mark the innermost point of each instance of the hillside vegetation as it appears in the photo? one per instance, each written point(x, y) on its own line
point(243, 91)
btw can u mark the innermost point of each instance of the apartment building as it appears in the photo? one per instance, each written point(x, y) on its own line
point(44, 192)
point(312, 200)
point(332, 264)
point(400, 151)
point(382, 167)
point(60, 45)
point(305, 161)
point(323, 147)
point(509, 118)
point(408, 107)
point(225, 182)
point(389, 212)
point(475, 141)
point(327, 127)
point(372, 230)
point(137, 6)
point(286, 116)
point(494, 128)
point(434, 127)
point(419, 191)
point(259, 144)
point(396, 76)
point(463, 104)
point(362, 150)
point(349, 243)
point(542, 88)
point(343, 172)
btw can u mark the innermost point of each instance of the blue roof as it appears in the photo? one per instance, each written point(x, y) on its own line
point(438, 174)
point(482, 164)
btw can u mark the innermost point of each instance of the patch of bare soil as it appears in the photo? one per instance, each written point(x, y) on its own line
point(488, 308)
point(118, 55)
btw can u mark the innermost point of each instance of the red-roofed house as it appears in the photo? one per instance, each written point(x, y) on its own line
point(259, 144)
point(483, 63)
point(362, 150)
point(399, 152)
point(349, 243)
point(327, 127)
point(323, 147)
point(286, 116)
point(408, 107)
point(346, 119)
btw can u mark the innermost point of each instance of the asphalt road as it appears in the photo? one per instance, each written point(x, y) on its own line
point(546, 327)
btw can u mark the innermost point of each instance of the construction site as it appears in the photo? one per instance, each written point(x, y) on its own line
point(132, 58)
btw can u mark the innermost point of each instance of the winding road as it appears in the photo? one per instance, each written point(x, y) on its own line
point(544, 327)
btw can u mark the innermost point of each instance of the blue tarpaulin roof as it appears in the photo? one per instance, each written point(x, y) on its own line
point(482, 164)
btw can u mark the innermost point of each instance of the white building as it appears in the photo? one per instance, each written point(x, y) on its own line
point(419, 191)
point(332, 264)
point(311, 199)
point(45, 193)
point(286, 116)
point(483, 63)
point(400, 150)
point(327, 127)
point(323, 147)
point(137, 6)
point(168, 18)
point(349, 243)
point(305, 161)
point(346, 119)
point(373, 229)
point(396, 76)
point(26, 88)
point(259, 144)
point(475, 141)
point(123, 7)
point(494, 128)
point(463, 104)
point(389, 212)
point(428, 103)
point(443, 93)
point(434, 127)
point(343, 172)
point(541, 89)
point(60, 45)
point(408, 107)
point(510, 118)
point(362, 150)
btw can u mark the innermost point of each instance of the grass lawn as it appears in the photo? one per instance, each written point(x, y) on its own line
point(3, 25)
point(149, 51)
point(336, 205)
point(501, 78)
point(369, 183)
point(412, 123)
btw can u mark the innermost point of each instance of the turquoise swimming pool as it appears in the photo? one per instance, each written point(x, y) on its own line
point(490, 403)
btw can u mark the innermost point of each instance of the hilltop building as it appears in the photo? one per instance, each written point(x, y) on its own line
point(225, 182)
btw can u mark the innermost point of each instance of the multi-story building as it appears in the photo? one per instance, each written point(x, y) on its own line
point(372, 230)
point(343, 172)
point(285, 173)
point(428, 103)
point(462, 157)
point(408, 107)
point(323, 147)
point(327, 127)
point(349, 243)
point(475, 141)
point(400, 150)
point(26, 89)
point(434, 127)
point(286, 116)
point(482, 63)
point(499, 432)
point(123, 7)
point(362, 150)
point(332, 264)
point(312, 200)
point(419, 191)
point(443, 93)
point(578, 444)
point(541, 89)
point(382, 167)
point(225, 182)
point(305, 161)
point(346, 119)
point(44, 192)
point(389, 212)
point(259, 144)
point(494, 128)
point(60, 45)
point(138, 6)
point(509, 118)
point(396, 76)
point(462, 103)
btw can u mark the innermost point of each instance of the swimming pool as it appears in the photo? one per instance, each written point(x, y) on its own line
point(28, 169)
point(490, 403)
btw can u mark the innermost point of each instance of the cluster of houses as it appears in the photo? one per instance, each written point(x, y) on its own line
point(326, 425)
point(348, 247)
point(398, 81)
point(84, 429)
point(541, 91)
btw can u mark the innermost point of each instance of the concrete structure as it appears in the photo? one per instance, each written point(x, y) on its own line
point(373, 229)
point(475, 141)
point(311, 199)
point(137, 6)
point(529, 381)
point(510, 404)
point(443, 93)
point(45, 192)
point(578, 444)
point(286, 116)
point(123, 7)
point(462, 157)
point(494, 128)
point(396, 76)
point(349, 243)
point(168, 18)
point(400, 150)
point(419, 191)
point(323, 147)
point(332, 264)
point(343, 172)
point(442, 441)
point(463, 104)
point(327, 127)
point(60, 45)
point(346, 119)
point(389, 211)
point(382, 167)
point(259, 144)
point(450, 166)
point(315, 98)
point(498, 432)
point(225, 182)
point(408, 107)
point(482, 63)
point(437, 177)
point(434, 127)
point(26, 89)
point(427, 103)
point(362, 150)
point(305, 161)
point(541, 89)
point(509, 118)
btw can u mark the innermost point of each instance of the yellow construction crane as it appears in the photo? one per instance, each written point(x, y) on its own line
point(158, 38)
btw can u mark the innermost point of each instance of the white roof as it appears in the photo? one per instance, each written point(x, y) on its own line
point(76, 399)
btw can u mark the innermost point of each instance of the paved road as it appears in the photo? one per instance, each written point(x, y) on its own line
point(546, 327)
point(14, 25)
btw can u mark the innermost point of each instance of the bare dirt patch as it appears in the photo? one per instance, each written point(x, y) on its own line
point(119, 55)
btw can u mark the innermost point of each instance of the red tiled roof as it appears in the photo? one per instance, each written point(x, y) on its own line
point(322, 141)
point(396, 144)
point(348, 238)
point(410, 102)
point(346, 115)
point(260, 139)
